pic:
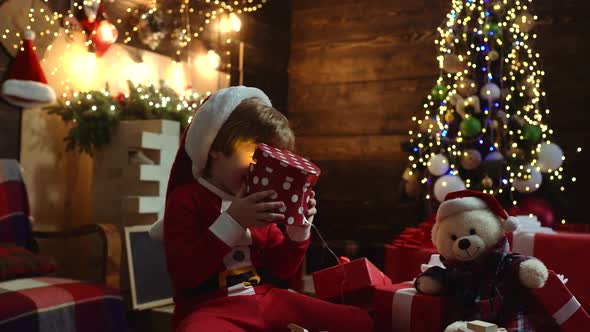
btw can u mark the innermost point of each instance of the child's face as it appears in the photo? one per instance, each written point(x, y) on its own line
point(230, 171)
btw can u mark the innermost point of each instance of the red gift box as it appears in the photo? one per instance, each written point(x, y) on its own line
point(558, 302)
point(350, 283)
point(400, 308)
point(412, 248)
point(290, 175)
point(563, 252)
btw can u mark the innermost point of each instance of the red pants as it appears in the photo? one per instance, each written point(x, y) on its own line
point(273, 310)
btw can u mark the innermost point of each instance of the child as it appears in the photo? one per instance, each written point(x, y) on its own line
point(224, 251)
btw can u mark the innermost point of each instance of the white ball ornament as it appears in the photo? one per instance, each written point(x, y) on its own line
point(531, 183)
point(447, 184)
point(550, 157)
point(494, 156)
point(471, 159)
point(490, 92)
point(438, 165)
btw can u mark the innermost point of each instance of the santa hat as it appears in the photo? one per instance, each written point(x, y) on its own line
point(26, 85)
point(470, 200)
point(193, 153)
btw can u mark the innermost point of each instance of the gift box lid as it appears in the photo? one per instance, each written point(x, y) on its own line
point(349, 277)
point(292, 164)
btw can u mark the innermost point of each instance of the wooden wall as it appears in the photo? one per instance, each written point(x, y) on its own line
point(10, 117)
point(357, 74)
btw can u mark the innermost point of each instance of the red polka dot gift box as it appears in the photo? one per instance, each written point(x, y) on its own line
point(290, 175)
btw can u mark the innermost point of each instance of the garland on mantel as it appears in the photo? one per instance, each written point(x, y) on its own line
point(94, 114)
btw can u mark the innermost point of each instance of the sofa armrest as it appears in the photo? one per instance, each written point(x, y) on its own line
point(111, 247)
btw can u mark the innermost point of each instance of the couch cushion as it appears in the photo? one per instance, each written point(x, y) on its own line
point(18, 262)
point(15, 226)
point(45, 304)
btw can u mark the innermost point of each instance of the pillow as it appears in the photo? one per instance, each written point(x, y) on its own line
point(18, 262)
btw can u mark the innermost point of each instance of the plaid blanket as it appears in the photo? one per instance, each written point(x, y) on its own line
point(46, 304)
point(15, 226)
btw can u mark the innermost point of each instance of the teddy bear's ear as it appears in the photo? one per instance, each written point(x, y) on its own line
point(434, 232)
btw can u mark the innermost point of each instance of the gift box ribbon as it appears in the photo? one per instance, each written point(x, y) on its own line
point(567, 311)
point(401, 308)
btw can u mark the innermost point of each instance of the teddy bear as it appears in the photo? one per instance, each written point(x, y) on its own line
point(482, 278)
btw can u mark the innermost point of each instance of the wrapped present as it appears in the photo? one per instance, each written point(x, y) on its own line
point(400, 308)
point(350, 283)
point(559, 303)
point(559, 251)
point(404, 255)
point(290, 175)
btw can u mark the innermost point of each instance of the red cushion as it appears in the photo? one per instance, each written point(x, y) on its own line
point(18, 262)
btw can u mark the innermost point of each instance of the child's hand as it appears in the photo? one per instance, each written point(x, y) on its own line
point(253, 211)
point(312, 207)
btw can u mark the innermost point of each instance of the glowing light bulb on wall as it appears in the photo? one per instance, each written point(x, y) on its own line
point(213, 59)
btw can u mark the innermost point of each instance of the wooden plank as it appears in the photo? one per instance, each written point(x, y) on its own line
point(360, 21)
point(300, 5)
point(384, 148)
point(382, 58)
point(362, 108)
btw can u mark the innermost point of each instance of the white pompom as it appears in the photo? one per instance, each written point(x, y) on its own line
point(510, 224)
point(29, 35)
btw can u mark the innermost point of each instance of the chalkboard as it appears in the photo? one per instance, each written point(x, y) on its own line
point(150, 283)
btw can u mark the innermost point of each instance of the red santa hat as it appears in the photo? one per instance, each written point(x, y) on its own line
point(470, 200)
point(26, 85)
point(193, 153)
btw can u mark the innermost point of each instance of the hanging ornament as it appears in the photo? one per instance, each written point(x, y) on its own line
point(103, 37)
point(530, 182)
point(531, 133)
point(550, 157)
point(439, 92)
point(438, 165)
point(26, 85)
point(490, 92)
point(466, 87)
point(470, 127)
point(447, 184)
point(471, 159)
point(100, 31)
point(495, 124)
point(452, 64)
point(525, 21)
point(470, 105)
point(487, 182)
point(151, 29)
point(493, 29)
point(494, 55)
point(449, 117)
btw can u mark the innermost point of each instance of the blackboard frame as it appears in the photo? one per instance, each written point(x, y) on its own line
point(134, 295)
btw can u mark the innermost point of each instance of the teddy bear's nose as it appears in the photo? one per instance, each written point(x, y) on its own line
point(464, 244)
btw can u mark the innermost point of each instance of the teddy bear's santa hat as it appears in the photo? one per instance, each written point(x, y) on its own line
point(470, 200)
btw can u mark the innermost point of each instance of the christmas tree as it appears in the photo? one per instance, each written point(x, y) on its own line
point(484, 125)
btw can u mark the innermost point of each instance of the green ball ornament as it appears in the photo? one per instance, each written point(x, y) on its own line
point(470, 127)
point(493, 29)
point(531, 133)
point(439, 92)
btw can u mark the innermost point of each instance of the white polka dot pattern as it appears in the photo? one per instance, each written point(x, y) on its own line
point(289, 175)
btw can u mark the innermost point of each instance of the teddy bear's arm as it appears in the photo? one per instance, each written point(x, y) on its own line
point(433, 281)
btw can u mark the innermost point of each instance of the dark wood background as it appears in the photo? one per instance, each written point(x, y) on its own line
point(357, 74)
point(10, 118)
